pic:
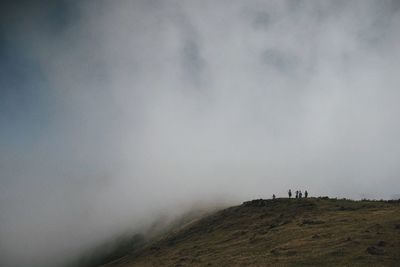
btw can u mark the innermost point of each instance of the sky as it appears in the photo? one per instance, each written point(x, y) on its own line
point(113, 112)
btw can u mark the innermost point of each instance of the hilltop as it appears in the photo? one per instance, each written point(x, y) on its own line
point(281, 232)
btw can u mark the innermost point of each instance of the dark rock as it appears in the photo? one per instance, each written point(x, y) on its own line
point(257, 203)
point(306, 221)
point(272, 226)
point(275, 251)
point(375, 251)
point(291, 253)
point(382, 243)
point(342, 208)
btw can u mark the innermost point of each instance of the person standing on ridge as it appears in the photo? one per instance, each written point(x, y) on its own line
point(305, 194)
point(273, 196)
point(300, 194)
point(297, 193)
point(290, 193)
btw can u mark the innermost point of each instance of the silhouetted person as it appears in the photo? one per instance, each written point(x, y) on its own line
point(305, 194)
point(297, 193)
point(290, 193)
point(300, 194)
point(273, 196)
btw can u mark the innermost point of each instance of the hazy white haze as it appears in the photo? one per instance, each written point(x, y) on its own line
point(112, 112)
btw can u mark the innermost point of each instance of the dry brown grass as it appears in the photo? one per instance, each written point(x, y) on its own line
point(283, 232)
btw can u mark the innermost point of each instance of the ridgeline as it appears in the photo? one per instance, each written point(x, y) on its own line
point(281, 232)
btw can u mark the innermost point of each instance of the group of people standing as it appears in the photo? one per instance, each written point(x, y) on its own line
point(299, 194)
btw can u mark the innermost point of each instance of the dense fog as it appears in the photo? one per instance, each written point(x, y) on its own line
point(114, 112)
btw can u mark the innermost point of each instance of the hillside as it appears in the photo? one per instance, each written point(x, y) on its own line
point(282, 232)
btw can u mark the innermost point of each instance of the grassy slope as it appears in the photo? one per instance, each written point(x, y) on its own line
point(283, 232)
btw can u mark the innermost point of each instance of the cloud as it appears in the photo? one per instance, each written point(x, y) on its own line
point(140, 107)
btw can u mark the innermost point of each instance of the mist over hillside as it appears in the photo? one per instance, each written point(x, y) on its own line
point(114, 112)
point(280, 232)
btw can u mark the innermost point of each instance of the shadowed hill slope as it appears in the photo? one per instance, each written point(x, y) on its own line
point(282, 232)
